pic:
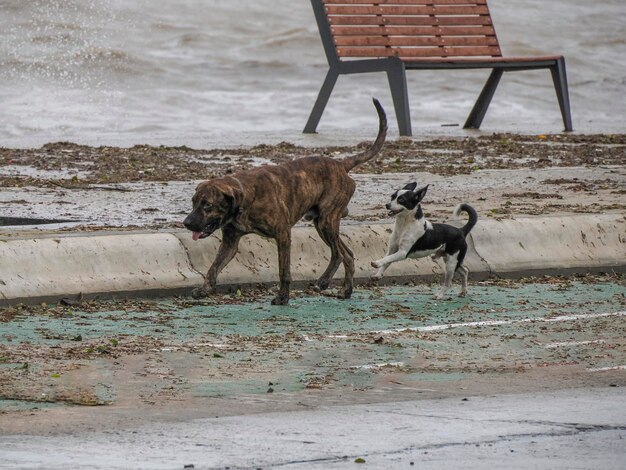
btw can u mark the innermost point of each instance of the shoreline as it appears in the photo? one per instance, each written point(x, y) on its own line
point(326, 136)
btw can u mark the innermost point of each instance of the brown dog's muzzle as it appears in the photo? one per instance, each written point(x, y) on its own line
point(199, 229)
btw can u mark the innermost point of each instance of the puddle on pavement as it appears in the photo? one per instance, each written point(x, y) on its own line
point(27, 405)
point(32, 172)
point(31, 222)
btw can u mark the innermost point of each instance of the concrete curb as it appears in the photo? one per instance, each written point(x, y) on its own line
point(137, 264)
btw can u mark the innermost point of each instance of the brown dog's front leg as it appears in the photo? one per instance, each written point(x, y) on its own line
point(283, 243)
point(227, 251)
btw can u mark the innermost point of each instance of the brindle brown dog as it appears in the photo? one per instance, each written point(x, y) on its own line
point(270, 200)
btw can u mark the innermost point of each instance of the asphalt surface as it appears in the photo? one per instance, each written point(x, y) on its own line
point(566, 429)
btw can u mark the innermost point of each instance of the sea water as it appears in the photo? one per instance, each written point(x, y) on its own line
point(133, 71)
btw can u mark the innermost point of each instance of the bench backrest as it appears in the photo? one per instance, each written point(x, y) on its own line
point(408, 29)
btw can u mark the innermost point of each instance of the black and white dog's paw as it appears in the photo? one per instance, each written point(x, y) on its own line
point(376, 277)
point(376, 264)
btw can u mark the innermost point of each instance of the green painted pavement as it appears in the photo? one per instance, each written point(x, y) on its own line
point(322, 342)
point(368, 311)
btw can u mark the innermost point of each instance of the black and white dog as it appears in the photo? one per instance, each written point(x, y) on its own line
point(415, 237)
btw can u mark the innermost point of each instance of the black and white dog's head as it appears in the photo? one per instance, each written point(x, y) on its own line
point(406, 199)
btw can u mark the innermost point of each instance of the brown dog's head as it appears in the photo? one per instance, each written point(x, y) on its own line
point(215, 203)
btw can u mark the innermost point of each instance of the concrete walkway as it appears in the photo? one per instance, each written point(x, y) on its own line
point(580, 428)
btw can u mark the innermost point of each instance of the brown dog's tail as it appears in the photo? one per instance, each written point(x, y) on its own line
point(354, 160)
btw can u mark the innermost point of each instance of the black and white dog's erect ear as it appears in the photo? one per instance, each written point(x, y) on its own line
point(420, 193)
point(410, 186)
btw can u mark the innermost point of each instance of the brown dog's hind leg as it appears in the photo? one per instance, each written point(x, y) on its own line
point(331, 210)
point(283, 243)
point(348, 265)
point(226, 252)
point(329, 232)
point(330, 237)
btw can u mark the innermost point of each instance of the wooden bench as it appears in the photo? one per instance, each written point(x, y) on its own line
point(393, 36)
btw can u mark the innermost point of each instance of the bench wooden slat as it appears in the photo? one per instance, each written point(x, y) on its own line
point(415, 41)
point(411, 20)
point(406, 10)
point(339, 31)
point(407, 52)
point(406, 2)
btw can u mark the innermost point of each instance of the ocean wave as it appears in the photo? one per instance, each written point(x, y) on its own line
point(12, 6)
point(267, 64)
point(85, 68)
point(296, 35)
point(100, 54)
point(195, 38)
point(58, 38)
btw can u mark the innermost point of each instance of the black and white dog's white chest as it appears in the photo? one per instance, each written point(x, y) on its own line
point(418, 236)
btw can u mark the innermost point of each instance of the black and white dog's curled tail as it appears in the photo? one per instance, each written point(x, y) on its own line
point(354, 160)
point(473, 217)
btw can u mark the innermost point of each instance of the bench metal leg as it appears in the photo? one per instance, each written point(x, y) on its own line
point(322, 99)
point(559, 77)
point(475, 118)
point(397, 82)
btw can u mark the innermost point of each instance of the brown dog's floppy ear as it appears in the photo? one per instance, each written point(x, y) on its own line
point(233, 196)
point(230, 199)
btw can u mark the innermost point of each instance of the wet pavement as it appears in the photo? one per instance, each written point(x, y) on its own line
point(579, 428)
point(519, 371)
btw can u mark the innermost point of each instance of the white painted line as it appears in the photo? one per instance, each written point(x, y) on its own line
point(566, 344)
point(213, 345)
point(192, 345)
point(472, 324)
point(431, 328)
point(603, 369)
point(379, 366)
